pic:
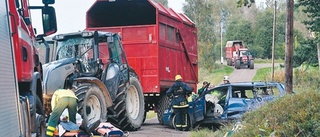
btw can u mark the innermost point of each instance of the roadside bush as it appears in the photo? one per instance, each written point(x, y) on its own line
point(306, 77)
point(292, 115)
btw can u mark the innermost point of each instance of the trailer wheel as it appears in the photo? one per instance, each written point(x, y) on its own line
point(251, 64)
point(162, 106)
point(91, 104)
point(237, 64)
point(129, 105)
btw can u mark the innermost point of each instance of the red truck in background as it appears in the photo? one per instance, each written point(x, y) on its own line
point(15, 14)
point(159, 44)
point(238, 55)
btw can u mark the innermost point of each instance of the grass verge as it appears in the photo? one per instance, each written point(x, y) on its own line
point(151, 114)
point(214, 76)
point(268, 61)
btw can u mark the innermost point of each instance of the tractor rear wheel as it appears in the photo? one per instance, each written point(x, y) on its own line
point(251, 64)
point(129, 105)
point(162, 106)
point(91, 103)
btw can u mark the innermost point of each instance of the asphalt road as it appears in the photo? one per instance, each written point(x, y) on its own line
point(151, 127)
point(244, 74)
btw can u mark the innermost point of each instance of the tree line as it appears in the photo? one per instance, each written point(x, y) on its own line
point(253, 23)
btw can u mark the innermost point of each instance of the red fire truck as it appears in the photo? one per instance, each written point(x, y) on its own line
point(21, 69)
point(159, 43)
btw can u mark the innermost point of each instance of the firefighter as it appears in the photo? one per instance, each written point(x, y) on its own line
point(61, 99)
point(179, 92)
point(226, 80)
point(204, 85)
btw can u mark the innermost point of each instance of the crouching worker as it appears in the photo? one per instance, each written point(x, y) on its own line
point(61, 99)
point(179, 92)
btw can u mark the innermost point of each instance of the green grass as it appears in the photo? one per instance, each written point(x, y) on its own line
point(214, 76)
point(262, 73)
point(151, 114)
point(268, 61)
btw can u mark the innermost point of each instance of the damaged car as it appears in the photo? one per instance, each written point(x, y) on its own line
point(227, 102)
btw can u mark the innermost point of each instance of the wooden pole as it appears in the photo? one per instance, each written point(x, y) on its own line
point(318, 47)
point(289, 48)
point(273, 37)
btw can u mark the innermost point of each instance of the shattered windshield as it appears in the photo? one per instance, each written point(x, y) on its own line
point(79, 48)
point(74, 48)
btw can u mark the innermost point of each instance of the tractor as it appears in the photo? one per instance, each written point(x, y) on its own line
point(95, 66)
point(238, 55)
point(243, 58)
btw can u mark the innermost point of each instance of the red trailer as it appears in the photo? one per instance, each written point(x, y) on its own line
point(159, 44)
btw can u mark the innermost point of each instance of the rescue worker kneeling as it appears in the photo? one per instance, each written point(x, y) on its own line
point(61, 99)
point(179, 92)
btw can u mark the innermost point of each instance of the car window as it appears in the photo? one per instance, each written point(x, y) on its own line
point(267, 91)
point(242, 92)
point(220, 92)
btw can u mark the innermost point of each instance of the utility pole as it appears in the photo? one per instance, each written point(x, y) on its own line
point(221, 42)
point(318, 48)
point(289, 48)
point(273, 37)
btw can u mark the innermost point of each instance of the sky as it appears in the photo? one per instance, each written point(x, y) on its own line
point(71, 13)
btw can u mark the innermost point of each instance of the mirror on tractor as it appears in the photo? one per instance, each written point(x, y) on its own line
point(48, 2)
point(49, 21)
point(110, 42)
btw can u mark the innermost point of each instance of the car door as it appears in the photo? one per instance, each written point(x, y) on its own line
point(241, 100)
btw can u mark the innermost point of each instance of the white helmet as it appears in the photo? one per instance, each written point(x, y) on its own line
point(226, 78)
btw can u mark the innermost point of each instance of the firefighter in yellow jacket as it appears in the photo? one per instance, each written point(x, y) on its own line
point(61, 99)
point(179, 92)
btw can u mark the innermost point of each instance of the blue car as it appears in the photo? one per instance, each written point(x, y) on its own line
point(227, 102)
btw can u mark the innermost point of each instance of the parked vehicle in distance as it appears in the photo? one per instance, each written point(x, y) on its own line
point(238, 55)
point(228, 102)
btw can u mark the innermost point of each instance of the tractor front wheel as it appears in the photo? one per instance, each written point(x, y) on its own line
point(91, 103)
point(251, 64)
point(237, 64)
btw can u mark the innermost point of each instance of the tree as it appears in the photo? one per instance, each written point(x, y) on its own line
point(200, 11)
point(313, 23)
point(163, 2)
point(247, 3)
point(239, 29)
point(305, 53)
point(263, 34)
